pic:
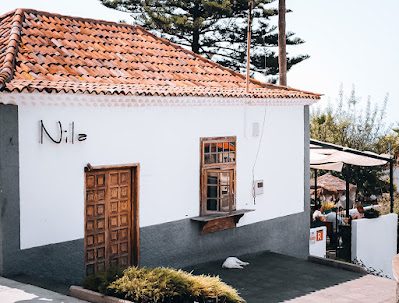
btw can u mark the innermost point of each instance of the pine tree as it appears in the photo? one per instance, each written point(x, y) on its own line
point(216, 29)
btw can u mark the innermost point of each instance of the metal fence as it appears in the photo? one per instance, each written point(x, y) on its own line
point(338, 226)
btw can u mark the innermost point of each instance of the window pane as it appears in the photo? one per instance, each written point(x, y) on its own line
point(212, 192)
point(219, 152)
point(212, 178)
point(225, 178)
point(212, 204)
point(210, 158)
point(226, 158)
point(225, 146)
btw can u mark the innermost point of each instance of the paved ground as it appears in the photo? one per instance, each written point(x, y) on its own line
point(277, 278)
point(54, 285)
point(13, 292)
point(269, 278)
point(367, 289)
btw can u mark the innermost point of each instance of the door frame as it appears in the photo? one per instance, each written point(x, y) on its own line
point(135, 195)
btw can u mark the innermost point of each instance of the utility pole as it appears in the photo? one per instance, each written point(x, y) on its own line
point(250, 7)
point(282, 44)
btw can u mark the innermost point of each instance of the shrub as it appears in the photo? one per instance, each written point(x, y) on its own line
point(169, 285)
point(99, 282)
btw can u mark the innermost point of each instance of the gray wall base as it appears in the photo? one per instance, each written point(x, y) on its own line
point(176, 244)
point(62, 262)
point(180, 244)
point(9, 184)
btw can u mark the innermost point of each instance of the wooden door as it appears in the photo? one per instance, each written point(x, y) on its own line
point(110, 221)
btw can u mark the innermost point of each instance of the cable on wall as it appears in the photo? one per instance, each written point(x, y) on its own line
point(257, 155)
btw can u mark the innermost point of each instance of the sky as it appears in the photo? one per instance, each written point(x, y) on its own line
point(350, 42)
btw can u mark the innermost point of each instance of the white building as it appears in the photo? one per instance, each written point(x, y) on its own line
point(118, 147)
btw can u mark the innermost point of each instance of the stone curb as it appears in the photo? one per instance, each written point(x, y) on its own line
point(92, 296)
point(337, 264)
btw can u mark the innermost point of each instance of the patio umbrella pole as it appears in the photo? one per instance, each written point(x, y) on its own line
point(347, 192)
point(391, 191)
point(315, 187)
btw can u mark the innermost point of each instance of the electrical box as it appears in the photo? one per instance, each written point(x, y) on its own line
point(258, 187)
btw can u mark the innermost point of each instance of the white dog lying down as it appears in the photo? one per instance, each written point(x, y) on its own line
point(233, 262)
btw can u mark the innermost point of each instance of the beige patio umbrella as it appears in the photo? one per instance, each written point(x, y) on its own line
point(327, 156)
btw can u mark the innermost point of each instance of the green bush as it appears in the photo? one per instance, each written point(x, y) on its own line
point(99, 282)
point(169, 285)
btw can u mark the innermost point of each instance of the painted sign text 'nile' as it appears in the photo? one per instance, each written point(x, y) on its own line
point(62, 135)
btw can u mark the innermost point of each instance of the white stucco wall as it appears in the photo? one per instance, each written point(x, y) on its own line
point(165, 141)
point(374, 242)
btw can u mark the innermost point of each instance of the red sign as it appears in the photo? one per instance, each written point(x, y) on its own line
point(319, 235)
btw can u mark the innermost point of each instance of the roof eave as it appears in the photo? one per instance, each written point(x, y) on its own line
point(62, 98)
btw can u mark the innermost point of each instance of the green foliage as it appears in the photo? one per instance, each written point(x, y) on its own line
point(361, 128)
point(99, 282)
point(389, 143)
point(349, 125)
point(169, 285)
point(385, 204)
point(215, 28)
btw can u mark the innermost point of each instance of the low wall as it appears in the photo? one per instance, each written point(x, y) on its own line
point(317, 241)
point(176, 244)
point(374, 242)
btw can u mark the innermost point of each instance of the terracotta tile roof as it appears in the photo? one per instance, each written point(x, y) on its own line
point(331, 183)
point(47, 52)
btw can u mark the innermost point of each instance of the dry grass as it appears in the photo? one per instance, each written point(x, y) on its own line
point(167, 285)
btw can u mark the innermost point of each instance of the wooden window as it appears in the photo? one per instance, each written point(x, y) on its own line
point(218, 175)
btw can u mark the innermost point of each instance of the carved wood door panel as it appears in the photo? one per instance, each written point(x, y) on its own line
point(95, 229)
point(119, 218)
point(109, 220)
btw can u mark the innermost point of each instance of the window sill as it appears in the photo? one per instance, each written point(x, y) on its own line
point(221, 221)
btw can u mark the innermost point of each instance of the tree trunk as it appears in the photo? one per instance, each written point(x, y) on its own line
point(195, 46)
point(282, 47)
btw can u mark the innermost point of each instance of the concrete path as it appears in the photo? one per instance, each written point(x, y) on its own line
point(367, 289)
point(13, 292)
